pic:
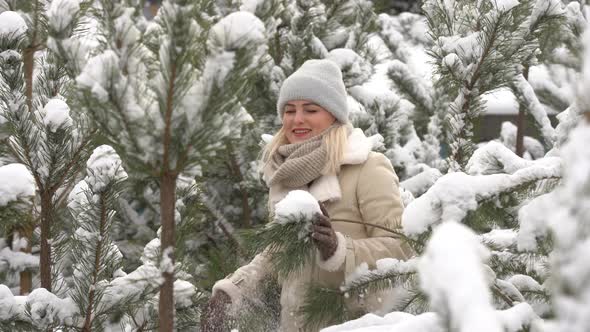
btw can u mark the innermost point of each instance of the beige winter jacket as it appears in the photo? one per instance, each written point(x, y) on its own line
point(365, 190)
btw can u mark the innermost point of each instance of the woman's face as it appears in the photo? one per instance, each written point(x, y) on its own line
point(303, 119)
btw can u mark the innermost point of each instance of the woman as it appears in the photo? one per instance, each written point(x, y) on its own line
point(317, 150)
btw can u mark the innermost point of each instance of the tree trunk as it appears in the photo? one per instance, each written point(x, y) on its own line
point(520, 124)
point(520, 121)
point(167, 202)
point(26, 277)
point(45, 259)
point(29, 62)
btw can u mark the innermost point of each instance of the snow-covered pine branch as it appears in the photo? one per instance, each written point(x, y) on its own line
point(287, 238)
point(92, 204)
point(455, 194)
point(528, 99)
point(63, 16)
point(458, 288)
point(458, 291)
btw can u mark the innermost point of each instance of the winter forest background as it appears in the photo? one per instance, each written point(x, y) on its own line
point(129, 145)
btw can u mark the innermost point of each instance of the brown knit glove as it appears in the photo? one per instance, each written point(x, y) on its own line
point(213, 317)
point(323, 234)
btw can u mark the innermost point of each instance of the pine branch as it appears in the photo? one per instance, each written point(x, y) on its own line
point(287, 244)
point(398, 234)
point(497, 209)
point(322, 307)
point(497, 291)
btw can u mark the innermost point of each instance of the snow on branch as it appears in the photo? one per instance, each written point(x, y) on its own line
point(419, 183)
point(17, 261)
point(569, 222)
point(12, 24)
point(389, 273)
point(458, 290)
point(41, 308)
point(61, 13)
point(526, 96)
point(455, 194)
point(16, 182)
point(458, 287)
point(287, 239)
point(494, 158)
point(533, 222)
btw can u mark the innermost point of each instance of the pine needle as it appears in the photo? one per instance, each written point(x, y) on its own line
point(287, 244)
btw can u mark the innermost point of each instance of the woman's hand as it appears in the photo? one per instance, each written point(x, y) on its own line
point(213, 318)
point(323, 234)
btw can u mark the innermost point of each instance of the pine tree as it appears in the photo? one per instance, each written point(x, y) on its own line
point(478, 48)
point(167, 97)
point(44, 136)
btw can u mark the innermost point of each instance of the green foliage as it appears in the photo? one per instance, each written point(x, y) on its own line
point(16, 326)
point(506, 264)
point(503, 42)
point(287, 244)
point(324, 306)
point(500, 210)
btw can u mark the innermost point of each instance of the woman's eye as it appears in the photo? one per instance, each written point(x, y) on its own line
point(289, 111)
point(311, 111)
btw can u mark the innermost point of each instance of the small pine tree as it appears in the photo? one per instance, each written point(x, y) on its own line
point(167, 97)
point(45, 137)
point(97, 257)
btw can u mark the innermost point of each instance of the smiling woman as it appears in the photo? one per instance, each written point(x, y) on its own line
point(304, 119)
point(318, 151)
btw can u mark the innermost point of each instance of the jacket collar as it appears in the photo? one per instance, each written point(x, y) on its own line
point(327, 187)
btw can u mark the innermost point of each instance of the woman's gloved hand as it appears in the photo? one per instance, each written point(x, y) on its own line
point(213, 318)
point(323, 234)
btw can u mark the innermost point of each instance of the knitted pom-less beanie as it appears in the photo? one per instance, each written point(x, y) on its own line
point(319, 81)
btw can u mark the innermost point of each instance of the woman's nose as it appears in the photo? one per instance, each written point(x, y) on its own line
point(298, 117)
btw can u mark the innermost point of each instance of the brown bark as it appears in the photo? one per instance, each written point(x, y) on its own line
point(587, 115)
point(520, 122)
point(45, 255)
point(167, 202)
point(29, 56)
point(26, 282)
point(28, 62)
point(26, 277)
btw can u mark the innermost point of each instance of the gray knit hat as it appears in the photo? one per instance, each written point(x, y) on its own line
point(319, 81)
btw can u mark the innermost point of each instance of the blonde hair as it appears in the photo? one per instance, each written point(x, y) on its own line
point(335, 141)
